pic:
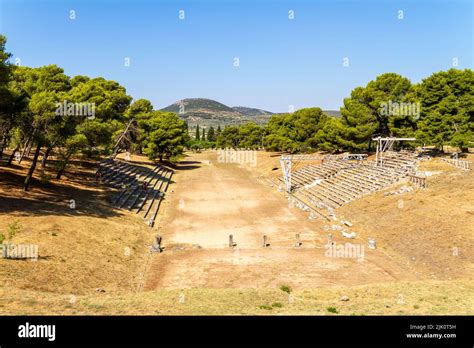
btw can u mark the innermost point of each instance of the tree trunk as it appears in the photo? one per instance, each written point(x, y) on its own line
point(45, 156)
point(12, 156)
point(27, 143)
point(28, 150)
point(63, 166)
point(4, 141)
point(61, 169)
point(32, 167)
point(60, 172)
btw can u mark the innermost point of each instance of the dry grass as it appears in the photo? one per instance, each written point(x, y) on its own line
point(86, 248)
point(400, 298)
point(92, 246)
point(430, 229)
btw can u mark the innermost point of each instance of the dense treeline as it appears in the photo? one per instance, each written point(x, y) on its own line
point(47, 111)
point(438, 111)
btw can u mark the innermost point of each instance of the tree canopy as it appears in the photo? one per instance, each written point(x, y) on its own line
point(437, 111)
point(447, 108)
point(165, 135)
point(43, 108)
point(38, 110)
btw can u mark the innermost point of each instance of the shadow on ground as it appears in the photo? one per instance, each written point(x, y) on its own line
point(54, 197)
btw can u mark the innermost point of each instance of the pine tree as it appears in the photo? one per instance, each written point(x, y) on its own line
point(197, 133)
point(364, 115)
point(203, 135)
point(165, 135)
point(447, 106)
point(211, 134)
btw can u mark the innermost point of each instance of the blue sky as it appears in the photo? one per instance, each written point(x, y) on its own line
point(283, 62)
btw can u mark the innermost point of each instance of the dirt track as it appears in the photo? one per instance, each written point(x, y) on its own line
point(212, 200)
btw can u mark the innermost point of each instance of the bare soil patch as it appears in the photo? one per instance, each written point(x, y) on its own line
point(218, 199)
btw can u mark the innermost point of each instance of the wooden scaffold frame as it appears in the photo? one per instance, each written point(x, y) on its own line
point(386, 144)
point(124, 140)
point(287, 164)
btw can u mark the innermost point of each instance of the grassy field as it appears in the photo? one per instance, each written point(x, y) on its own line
point(400, 298)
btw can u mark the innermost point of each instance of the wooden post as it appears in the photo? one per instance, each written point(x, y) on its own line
point(372, 244)
point(231, 241)
point(158, 240)
point(330, 239)
point(265, 241)
point(298, 243)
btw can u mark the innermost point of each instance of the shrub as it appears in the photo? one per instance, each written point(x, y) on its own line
point(13, 229)
point(44, 178)
point(285, 288)
point(268, 308)
point(332, 310)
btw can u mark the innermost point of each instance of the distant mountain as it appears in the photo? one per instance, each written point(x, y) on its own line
point(334, 113)
point(197, 105)
point(251, 111)
point(208, 112)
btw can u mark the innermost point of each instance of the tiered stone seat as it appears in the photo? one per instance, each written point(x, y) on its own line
point(117, 173)
point(142, 189)
point(399, 161)
point(158, 195)
point(342, 183)
point(308, 174)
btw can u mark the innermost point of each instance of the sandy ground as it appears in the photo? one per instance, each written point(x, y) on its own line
point(212, 200)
